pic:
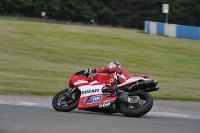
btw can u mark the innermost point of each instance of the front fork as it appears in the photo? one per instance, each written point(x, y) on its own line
point(71, 93)
point(71, 90)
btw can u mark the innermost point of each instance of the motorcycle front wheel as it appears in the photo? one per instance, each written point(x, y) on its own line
point(138, 109)
point(65, 101)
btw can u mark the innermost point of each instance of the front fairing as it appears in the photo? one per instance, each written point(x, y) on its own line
point(74, 78)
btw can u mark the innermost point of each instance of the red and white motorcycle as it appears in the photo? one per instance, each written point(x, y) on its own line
point(85, 93)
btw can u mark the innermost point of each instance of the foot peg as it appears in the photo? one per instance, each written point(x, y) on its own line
point(110, 92)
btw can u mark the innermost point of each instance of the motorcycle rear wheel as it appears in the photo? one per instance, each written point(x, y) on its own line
point(137, 109)
point(63, 102)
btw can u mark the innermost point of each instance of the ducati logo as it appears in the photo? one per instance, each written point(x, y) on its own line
point(90, 91)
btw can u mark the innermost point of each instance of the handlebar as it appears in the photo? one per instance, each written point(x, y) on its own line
point(82, 73)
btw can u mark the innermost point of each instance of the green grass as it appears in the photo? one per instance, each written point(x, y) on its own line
point(39, 58)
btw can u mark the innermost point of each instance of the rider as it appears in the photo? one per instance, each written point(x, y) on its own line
point(112, 67)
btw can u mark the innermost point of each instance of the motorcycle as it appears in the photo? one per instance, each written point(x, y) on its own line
point(85, 92)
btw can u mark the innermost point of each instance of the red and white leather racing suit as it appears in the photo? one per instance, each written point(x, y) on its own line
point(111, 78)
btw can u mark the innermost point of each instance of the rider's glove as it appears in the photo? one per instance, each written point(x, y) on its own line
point(90, 70)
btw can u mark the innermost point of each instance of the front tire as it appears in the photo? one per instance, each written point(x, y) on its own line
point(137, 109)
point(63, 101)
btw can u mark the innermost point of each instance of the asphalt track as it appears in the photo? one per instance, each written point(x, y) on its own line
point(30, 114)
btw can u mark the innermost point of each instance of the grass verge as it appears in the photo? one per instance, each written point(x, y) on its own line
point(38, 58)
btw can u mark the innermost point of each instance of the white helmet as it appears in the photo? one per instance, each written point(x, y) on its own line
point(114, 64)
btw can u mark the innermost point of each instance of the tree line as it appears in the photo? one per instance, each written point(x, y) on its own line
point(125, 13)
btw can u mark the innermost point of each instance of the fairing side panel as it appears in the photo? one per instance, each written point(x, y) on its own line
point(91, 101)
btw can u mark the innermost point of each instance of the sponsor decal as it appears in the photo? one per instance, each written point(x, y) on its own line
point(105, 104)
point(93, 99)
point(90, 91)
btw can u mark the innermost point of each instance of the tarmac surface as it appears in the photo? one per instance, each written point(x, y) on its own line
point(34, 114)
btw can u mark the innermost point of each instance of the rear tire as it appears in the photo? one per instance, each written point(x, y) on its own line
point(70, 105)
point(137, 110)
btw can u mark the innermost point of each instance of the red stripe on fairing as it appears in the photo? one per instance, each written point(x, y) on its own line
point(80, 82)
point(86, 83)
point(95, 83)
point(83, 84)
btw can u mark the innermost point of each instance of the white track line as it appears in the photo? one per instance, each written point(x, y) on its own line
point(48, 105)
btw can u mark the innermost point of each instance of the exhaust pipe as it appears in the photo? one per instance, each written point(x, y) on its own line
point(151, 89)
point(144, 85)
